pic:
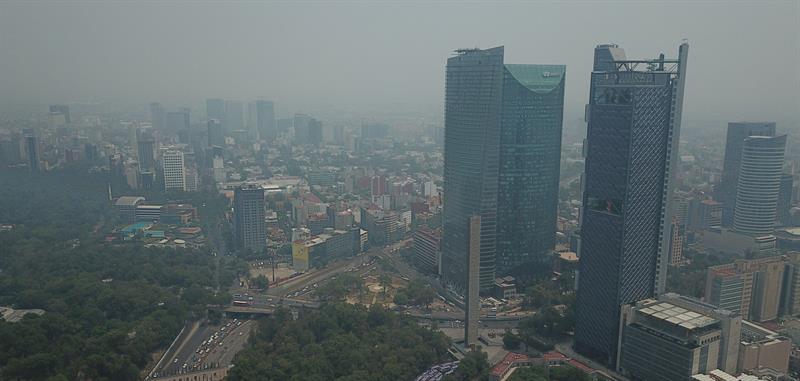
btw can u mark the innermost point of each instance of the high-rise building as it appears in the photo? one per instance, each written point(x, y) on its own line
point(530, 153)
point(374, 130)
point(173, 169)
point(473, 106)
point(146, 153)
point(249, 217)
point(265, 120)
point(215, 109)
point(157, 116)
point(752, 288)
point(234, 116)
point(218, 168)
point(33, 152)
point(178, 122)
point(759, 184)
point(734, 142)
point(677, 236)
point(633, 115)
point(314, 132)
point(426, 249)
point(704, 214)
point(190, 173)
point(301, 128)
point(501, 161)
point(784, 212)
point(61, 109)
point(216, 136)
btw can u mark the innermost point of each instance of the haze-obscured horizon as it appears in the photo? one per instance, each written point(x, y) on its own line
point(372, 59)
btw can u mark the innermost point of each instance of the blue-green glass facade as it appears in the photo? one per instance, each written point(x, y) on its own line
point(530, 152)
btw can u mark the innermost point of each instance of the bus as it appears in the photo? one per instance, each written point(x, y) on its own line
point(241, 303)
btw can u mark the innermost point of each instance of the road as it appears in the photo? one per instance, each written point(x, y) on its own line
point(208, 346)
point(185, 349)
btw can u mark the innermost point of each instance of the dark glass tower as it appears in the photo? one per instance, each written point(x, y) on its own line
point(265, 120)
point(734, 142)
point(216, 136)
point(633, 131)
point(530, 153)
point(249, 217)
point(215, 109)
point(473, 102)
point(32, 150)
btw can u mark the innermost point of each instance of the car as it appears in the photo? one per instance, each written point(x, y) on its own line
point(176, 361)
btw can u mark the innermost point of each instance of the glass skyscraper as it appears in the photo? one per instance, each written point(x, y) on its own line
point(530, 153)
point(734, 142)
point(759, 184)
point(473, 102)
point(633, 131)
point(502, 153)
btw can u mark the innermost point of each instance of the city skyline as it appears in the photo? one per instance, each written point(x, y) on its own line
point(282, 70)
point(400, 191)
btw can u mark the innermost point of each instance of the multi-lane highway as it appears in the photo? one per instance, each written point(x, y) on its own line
point(207, 346)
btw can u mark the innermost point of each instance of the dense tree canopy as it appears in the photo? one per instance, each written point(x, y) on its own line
point(107, 307)
point(555, 373)
point(339, 342)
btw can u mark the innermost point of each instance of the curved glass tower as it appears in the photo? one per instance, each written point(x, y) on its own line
point(759, 183)
point(501, 161)
point(530, 155)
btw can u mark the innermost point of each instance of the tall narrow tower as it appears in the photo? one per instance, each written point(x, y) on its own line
point(249, 217)
point(634, 118)
point(759, 184)
point(734, 144)
point(473, 303)
point(473, 102)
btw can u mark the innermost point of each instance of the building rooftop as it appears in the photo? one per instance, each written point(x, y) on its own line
point(508, 361)
point(128, 200)
point(677, 315)
point(568, 256)
point(538, 78)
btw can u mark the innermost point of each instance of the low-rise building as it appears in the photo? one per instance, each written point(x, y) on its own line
point(126, 207)
point(318, 250)
point(505, 287)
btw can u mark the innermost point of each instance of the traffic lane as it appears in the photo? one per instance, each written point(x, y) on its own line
point(188, 349)
point(234, 343)
point(334, 268)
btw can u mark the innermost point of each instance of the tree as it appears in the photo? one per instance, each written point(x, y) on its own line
point(385, 281)
point(473, 367)
point(567, 373)
point(510, 340)
point(340, 342)
point(260, 282)
point(533, 373)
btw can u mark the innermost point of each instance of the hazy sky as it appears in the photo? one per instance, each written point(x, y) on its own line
point(373, 57)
